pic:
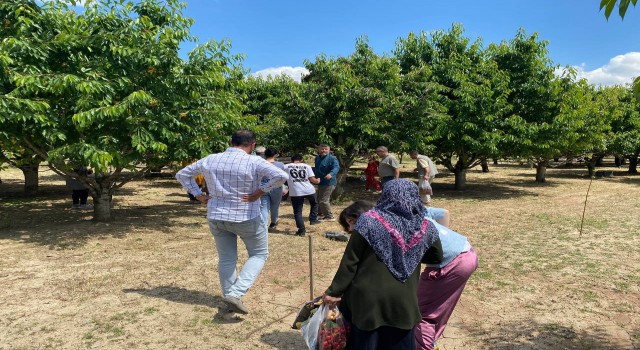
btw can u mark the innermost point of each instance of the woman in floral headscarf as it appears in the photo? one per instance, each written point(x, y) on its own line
point(378, 276)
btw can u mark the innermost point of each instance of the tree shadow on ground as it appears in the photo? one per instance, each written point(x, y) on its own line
point(493, 189)
point(618, 175)
point(60, 227)
point(533, 335)
point(557, 173)
point(630, 179)
point(12, 191)
point(284, 340)
point(191, 297)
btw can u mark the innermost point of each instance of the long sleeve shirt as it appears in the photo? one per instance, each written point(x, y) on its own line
point(370, 293)
point(230, 175)
point(325, 165)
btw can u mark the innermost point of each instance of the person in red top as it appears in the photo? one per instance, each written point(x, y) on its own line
point(371, 171)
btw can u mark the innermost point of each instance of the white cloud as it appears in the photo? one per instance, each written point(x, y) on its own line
point(296, 73)
point(620, 70)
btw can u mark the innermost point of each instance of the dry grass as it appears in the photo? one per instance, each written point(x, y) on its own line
point(148, 279)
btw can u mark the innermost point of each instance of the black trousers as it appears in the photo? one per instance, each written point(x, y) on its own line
point(383, 338)
point(80, 196)
point(298, 202)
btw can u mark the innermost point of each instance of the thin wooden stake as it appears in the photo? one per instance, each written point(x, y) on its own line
point(585, 207)
point(311, 267)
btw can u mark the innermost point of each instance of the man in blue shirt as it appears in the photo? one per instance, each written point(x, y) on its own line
point(326, 169)
point(233, 179)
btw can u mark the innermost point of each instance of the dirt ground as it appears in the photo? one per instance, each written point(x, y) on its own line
point(148, 279)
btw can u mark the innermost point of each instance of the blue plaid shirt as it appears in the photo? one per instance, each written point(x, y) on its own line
point(230, 175)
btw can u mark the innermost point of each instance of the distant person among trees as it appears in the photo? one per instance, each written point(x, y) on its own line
point(79, 191)
point(270, 202)
point(233, 210)
point(427, 171)
point(301, 180)
point(389, 168)
point(260, 151)
point(326, 169)
point(371, 172)
point(201, 183)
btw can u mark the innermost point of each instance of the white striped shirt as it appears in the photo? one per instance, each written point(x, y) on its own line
point(230, 175)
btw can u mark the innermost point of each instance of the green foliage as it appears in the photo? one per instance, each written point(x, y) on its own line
point(464, 120)
point(625, 127)
point(551, 115)
point(268, 102)
point(346, 102)
point(352, 99)
point(107, 88)
point(532, 130)
point(609, 5)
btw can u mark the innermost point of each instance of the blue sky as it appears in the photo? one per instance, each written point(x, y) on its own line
point(278, 34)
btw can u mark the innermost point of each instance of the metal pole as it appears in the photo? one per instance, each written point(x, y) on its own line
point(311, 267)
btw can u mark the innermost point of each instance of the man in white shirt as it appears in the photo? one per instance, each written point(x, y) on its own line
point(233, 210)
point(301, 178)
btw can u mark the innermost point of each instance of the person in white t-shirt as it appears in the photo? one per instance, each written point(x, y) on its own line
point(301, 180)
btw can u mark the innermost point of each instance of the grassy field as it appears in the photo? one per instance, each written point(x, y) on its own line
point(148, 279)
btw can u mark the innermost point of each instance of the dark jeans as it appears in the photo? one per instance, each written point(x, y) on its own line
point(383, 338)
point(80, 196)
point(386, 179)
point(298, 202)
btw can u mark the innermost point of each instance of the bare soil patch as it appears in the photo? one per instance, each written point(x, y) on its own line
point(148, 280)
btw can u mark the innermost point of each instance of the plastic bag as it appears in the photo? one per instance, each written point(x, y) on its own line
point(306, 311)
point(425, 187)
point(333, 329)
point(311, 328)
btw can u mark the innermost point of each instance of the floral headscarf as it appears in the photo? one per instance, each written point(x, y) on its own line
point(397, 228)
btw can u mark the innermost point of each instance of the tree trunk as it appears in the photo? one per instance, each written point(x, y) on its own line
point(569, 160)
point(345, 164)
point(556, 159)
point(616, 161)
point(541, 171)
point(623, 161)
point(461, 179)
point(599, 160)
point(102, 205)
point(485, 165)
point(495, 161)
point(591, 166)
point(340, 186)
point(30, 172)
point(633, 164)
